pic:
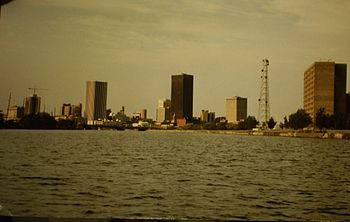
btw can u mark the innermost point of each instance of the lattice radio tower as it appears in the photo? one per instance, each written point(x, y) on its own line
point(264, 103)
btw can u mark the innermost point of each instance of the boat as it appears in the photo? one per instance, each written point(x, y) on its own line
point(141, 126)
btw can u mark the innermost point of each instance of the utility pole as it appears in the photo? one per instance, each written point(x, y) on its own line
point(264, 103)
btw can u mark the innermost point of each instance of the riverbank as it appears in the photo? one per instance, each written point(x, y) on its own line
point(300, 134)
point(331, 134)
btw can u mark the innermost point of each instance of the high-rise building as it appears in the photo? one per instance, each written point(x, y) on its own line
point(163, 111)
point(76, 110)
point(206, 116)
point(182, 96)
point(236, 109)
point(69, 110)
point(32, 105)
point(348, 103)
point(211, 117)
point(15, 113)
point(143, 113)
point(96, 101)
point(325, 87)
point(66, 109)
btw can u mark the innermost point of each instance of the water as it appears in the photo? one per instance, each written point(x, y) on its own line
point(156, 174)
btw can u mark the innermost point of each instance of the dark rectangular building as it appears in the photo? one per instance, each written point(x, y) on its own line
point(340, 89)
point(182, 96)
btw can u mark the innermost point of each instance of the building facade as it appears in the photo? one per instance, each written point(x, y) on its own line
point(163, 111)
point(15, 113)
point(69, 110)
point(143, 113)
point(325, 87)
point(207, 117)
point(348, 103)
point(182, 96)
point(236, 109)
point(96, 101)
point(32, 105)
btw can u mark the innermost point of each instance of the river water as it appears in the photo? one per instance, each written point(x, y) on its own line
point(154, 174)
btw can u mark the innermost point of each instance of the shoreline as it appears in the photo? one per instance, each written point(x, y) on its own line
point(330, 134)
point(343, 135)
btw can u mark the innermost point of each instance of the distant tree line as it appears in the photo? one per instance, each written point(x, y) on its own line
point(298, 120)
point(301, 119)
point(40, 121)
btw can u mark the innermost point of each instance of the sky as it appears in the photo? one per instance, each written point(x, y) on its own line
point(136, 45)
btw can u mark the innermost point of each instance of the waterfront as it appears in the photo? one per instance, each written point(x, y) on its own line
point(160, 174)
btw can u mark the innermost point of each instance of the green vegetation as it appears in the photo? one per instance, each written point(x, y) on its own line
point(249, 123)
point(327, 121)
point(299, 120)
point(271, 123)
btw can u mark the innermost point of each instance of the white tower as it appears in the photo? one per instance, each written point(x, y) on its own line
point(264, 103)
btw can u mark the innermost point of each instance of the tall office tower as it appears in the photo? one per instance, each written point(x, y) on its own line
point(32, 105)
point(163, 111)
point(204, 115)
point(143, 113)
point(96, 101)
point(236, 109)
point(325, 87)
point(211, 117)
point(182, 96)
point(340, 88)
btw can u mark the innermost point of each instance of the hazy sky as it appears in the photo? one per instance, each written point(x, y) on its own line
point(136, 45)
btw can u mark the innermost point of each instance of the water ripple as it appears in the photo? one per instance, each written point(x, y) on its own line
point(173, 175)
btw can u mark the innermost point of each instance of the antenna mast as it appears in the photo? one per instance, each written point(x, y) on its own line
point(264, 103)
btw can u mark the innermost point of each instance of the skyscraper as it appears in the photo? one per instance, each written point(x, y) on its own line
point(32, 105)
point(163, 111)
point(182, 96)
point(236, 109)
point(207, 117)
point(96, 101)
point(325, 87)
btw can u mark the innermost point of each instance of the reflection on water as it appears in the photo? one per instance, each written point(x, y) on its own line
point(173, 175)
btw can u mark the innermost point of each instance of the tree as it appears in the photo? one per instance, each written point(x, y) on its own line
point(299, 120)
point(38, 121)
point(249, 123)
point(285, 123)
point(321, 119)
point(326, 121)
point(271, 123)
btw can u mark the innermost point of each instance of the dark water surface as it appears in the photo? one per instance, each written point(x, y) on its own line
point(156, 174)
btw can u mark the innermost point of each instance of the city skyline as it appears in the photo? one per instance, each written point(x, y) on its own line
point(136, 46)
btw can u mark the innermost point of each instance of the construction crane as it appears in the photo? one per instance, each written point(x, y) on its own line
point(35, 89)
